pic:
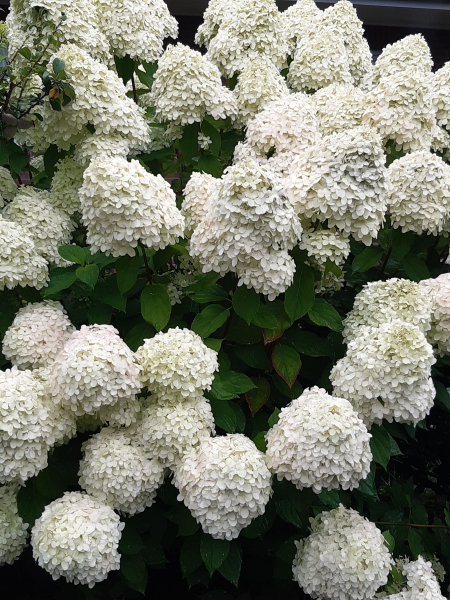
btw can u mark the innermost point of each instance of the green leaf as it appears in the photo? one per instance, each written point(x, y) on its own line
point(58, 65)
point(127, 270)
point(209, 320)
point(205, 289)
point(18, 161)
point(367, 486)
point(390, 541)
point(271, 334)
point(380, 445)
point(25, 52)
point(190, 557)
point(88, 274)
point(60, 280)
point(265, 317)
point(273, 419)
point(214, 552)
point(415, 542)
point(253, 355)
point(137, 334)
point(99, 313)
point(73, 254)
point(107, 291)
point(308, 343)
point(181, 516)
point(258, 397)
point(125, 67)
point(290, 392)
point(367, 259)
point(246, 303)
point(51, 156)
point(131, 541)
point(231, 566)
point(155, 305)
point(224, 415)
point(299, 298)
point(4, 153)
point(325, 315)
point(189, 142)
point(213, 344)
point(442, 395)
point(30, 502)
point(209, 164)
point(401, 243)
point(260, 441)
point(286, 362)
point(211, 132)
point(228, 385)
point(135, 572)
point(331, 267)
point(415, 268)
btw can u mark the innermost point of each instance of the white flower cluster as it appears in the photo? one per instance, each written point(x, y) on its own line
point(258, 84)
point(384, 301)
point(410, 51)
point(136, 28)
point(248, 229)
point(298, 20)
point(30, 423)
point(225, 483)
point(344, 558)
point(441, 96)
point(320, 59)
point(172, 425)
point(213, 16)
point(176, 364)
point(8, 188)
point(122, 204)
point(323, 245)
point(438, 290)
point(248, 29)
point(421, 582)
point(386, 374)
point(319, 442)
point(13, 531)
point(66, 182)
point(77, 538)
point(187, 86)
point(48, 226)
point(100, 100)
point(339, 107)
point(196, 196)
point(37, 335)
point(342, 180)
point(94, 369)
point(116, 471)
point(419, 193)
point(20, 263)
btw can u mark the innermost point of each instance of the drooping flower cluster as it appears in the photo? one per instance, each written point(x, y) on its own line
point(248, 229)
point(319, 442)
point(13, 531)
point(410, 51)
point(298, 20)
point(225, 483)
point(342, 180)
point(30, 424)
point(37, 335)
point(20, 263)
point(421, 582)
point(116, 471)
point(94, 369)
point(122, 204)
point(384, 301)
point(187, 86)
point(438, 290)
point(344, 558)
point(136, 28)
point(77, 538)
point(386, 374)
point(324, 246)
point(213, 16)
point(8, 188)
point(66, 182)
point(48, 226)
point(196, 197)
point(339, 107)
point(419, 193)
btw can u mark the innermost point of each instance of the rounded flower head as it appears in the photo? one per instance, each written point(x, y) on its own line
point(49, 227)
point(94, 369)
point(37, 335)
point(339, 107)
point(298, 20)
point(419, 193)
point(13, 531)
point(77, 537)
point(136, 28)
point(30, 424)
point(441, 96)
point(319, 442)
point(438, 290)
point(66, 182)
point(177, 364)
point(344, 558)
point(122, 204)
point(8, 188)
point(258, 83)
point(187, 86)
point(225, 483)
point(421, 582)
point(322, 246)
point(386, 374)
point(100, 100)
point(248, 229)
point(250, 28)
point(167, 430)
point(410, 51)
point(319, 60)
point(400, 107)
point(116, 472)
point(342, 180)
point(384, 301)
point(196, 199)
point(20, 263)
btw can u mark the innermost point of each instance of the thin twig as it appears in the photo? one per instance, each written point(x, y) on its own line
point(412, 525)
point(135, 97)
point(388, 256)
point(148, 271)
